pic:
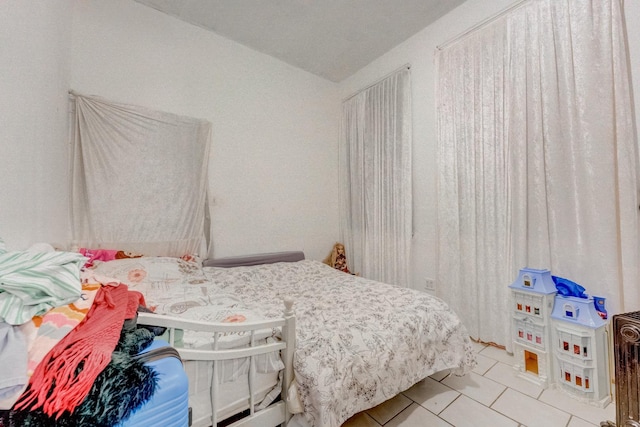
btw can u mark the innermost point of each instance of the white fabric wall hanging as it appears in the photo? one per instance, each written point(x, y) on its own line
point(139, 178)
point(537, 159)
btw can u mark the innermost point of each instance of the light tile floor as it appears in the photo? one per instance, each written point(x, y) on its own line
point(492, 396)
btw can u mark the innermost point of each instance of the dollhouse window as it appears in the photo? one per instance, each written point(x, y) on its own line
point(576, 349)
point(529, 336)
point(585, 345)
point(586, 382)
point(538, 339)
point(528, 309)
point(520, 333)
point(519, 306)
point(527, 282)
point(567, 377)
point(570, 311)
point(565, 346)
point(536, 310)
point(578, 381)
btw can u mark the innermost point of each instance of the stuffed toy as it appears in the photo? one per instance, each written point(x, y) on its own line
point(337, 258)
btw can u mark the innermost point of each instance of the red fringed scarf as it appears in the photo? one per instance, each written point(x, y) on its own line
point(56, 385)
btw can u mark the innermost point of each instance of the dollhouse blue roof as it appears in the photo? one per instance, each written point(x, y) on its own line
point(534, 280)
point(580, 311)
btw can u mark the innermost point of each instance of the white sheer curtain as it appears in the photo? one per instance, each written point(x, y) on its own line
point(139, 178)
point(537, 160)
point(375, 182)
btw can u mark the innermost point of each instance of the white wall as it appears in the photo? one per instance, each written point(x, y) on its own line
point(274, 161)
point(419, 52)
point(34, 37)
point(274, 154)
point(275, 128)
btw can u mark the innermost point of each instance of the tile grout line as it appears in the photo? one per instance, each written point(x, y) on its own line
point(443, 409)
point(498, 412)
point(496, 399)
point(374, 420)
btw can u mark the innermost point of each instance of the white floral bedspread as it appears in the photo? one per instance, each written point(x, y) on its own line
point(359, 342)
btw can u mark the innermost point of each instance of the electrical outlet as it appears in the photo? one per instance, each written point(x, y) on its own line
point(429, 284)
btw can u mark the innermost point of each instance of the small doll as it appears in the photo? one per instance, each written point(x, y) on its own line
point(337, 258)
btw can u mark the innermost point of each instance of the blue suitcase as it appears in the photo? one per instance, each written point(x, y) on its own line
point(169, 405)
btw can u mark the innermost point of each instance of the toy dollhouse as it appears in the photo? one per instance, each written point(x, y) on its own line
point(581, 350)
point(559, 336)
point(533, 296)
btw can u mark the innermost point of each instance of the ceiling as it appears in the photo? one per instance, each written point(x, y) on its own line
point(330, 38)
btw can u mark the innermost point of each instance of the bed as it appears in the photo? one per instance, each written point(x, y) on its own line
point(357, 342)
point(339, 345)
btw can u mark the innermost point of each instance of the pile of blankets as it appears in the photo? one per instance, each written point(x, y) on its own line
point(63, 351)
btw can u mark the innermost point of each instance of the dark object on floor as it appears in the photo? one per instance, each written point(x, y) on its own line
point(626, 351)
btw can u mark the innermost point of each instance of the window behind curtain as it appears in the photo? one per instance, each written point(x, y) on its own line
point(537, 160)
point(375, 166)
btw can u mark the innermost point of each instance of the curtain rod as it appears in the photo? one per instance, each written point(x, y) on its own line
point(481, 24)
point(407, 66)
